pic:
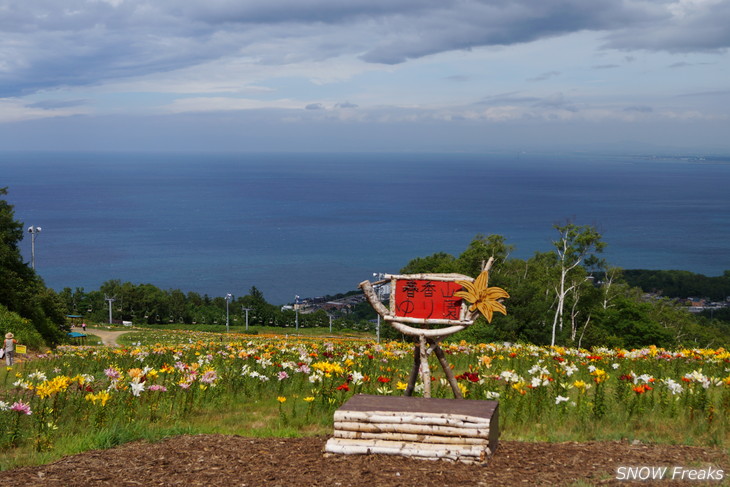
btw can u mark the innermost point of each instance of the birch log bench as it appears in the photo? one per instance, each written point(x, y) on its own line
point(417, 427)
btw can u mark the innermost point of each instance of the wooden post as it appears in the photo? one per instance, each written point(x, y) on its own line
point(425, 370)
point(420, 324)
point(447, 370)
point(414, 371)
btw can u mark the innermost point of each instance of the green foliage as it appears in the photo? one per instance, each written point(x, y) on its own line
point(469, 263)
point(630, 324)
point(576, 244)
point(472, 260)
point(439, 262)
point(680, 284)
point(145, 304)
point(22, 291)
point(18, 279)
point(599, 308)
point(24, 331)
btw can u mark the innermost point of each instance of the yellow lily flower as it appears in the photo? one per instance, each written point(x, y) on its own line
point(483, 297)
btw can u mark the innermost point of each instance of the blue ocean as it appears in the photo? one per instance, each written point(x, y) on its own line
point(315, 224)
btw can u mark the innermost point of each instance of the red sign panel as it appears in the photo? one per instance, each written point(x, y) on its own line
point(421, 298)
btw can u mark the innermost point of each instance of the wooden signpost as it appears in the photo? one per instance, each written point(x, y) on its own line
point(432, 307)
point(429, 307)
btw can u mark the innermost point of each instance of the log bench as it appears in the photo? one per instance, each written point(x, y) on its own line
point(423, 428)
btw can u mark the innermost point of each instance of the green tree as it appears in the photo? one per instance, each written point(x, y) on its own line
point(574, 244)
point(21, 290)
point(178, 307)
point(438, 263)
point(480, 250)
point(528, 307)
point(629, 324)
point(16, 276)
point(680, 284)
point(261, 312)
point(22, 328)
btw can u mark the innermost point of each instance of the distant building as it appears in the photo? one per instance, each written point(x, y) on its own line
point(334, 306)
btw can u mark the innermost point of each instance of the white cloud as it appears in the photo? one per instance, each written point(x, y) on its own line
point(225, 104)
point(16, 110)
point(552, 108)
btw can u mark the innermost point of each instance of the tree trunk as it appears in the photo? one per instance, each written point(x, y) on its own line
point(580, 340)
point(425, 370)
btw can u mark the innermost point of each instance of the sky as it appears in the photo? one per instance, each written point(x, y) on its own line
point(365, 75)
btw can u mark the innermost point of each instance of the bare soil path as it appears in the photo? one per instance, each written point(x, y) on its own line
point(108, 337)
point(221, 460)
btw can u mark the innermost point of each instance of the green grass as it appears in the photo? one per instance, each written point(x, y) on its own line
point(166, 334)
point(249, 369)
point(91, 340)
point(171, 334)
point(255, 418)
point(265, 330)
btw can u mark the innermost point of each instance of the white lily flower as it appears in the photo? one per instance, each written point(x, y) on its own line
point(137, 388)
point(560, 399)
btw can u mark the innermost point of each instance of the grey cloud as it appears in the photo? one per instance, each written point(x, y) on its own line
point(557, 100)
point(314, 106)
point(694, 27)
point(50, 43)
point(306, 11)
point(475, 23)
point(606, 66)
point(507, 99)
point(545, 76)
point(53, 104)
point(706, 94)
point(685, 65)
point(679, 65)
point(458, 78)
point(72, 53)
point(639, 108)
point(346, 104)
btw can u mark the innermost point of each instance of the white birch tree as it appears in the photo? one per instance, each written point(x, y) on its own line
point(575, 243)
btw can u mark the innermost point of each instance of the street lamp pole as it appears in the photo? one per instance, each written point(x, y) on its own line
point(246, 310)
point(296, 311)
point(33, 232)
point(228, 299)
point(111, 300)
point(379, 276)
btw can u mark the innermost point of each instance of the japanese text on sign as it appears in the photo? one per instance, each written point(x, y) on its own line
point(426, 299)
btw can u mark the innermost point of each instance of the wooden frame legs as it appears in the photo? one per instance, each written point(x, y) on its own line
point(420, 368)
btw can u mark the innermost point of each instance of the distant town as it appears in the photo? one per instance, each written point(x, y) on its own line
point(693, 304)
point(341, 303)
point(344, 303)
point(698, 305)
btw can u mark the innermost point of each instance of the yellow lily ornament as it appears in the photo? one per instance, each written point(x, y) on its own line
point(483, 297)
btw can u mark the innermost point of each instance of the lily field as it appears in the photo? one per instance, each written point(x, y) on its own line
point(163, 383)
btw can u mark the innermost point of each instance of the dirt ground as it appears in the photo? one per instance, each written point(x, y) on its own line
point(108, 338)
point(219, 460)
